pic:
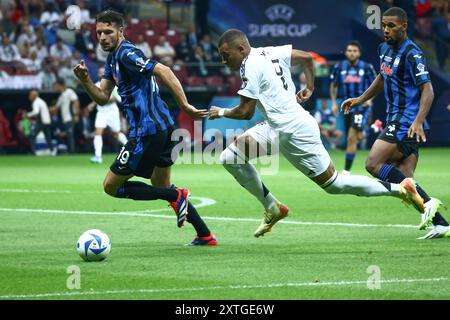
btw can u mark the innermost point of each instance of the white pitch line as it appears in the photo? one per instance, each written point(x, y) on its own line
point(230, 287)
point(204, 202)
point(149, 214)
point(45, 191)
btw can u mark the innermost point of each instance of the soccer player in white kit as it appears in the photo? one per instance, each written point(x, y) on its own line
point(267, 83)
point(107, 116)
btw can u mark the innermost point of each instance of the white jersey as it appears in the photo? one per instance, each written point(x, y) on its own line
point(40, 108)
point(108, 115)
point(112, 104)
point(266, 77)
point(64, 102)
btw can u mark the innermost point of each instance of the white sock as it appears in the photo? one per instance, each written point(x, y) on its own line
point(245, 173)
point(122, 138)
point(360, 186)
point(98, 145)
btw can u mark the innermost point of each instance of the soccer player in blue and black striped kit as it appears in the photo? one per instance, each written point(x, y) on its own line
point(405, 79)
point(350, 78)
point(148, 153)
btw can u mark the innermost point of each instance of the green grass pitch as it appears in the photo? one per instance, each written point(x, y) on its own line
point(323, 251)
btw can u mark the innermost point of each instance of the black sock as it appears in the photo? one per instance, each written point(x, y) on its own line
point(197, 222)
point(392, 174)
point(194, 218)
point(137, 190)
point(349, 157)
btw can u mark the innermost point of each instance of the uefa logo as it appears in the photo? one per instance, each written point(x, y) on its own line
point(280, 12)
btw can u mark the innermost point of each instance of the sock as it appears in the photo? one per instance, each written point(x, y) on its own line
point(245, 173)
point(194, 218)
point(392, 174)
point(197, 222)
point(98, 145)
point(122, 138)
point(359, 186)
point(137, 190)
point(349, 157)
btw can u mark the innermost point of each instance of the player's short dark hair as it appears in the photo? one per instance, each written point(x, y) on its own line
point(60, 81)
point(231, 36)
point(396, 12)
point(111, 17)
point(354, 43)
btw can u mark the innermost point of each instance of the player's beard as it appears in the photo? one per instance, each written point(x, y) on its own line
point(113, 46)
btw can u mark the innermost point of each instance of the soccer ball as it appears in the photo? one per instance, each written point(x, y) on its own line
point(93, 245)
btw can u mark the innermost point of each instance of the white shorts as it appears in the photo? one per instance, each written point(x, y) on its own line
point(303, 148)
point(108, 117)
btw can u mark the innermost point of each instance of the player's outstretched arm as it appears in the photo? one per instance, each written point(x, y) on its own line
point(244, 111)
point(172, 83)
point(305, 60)
point(99, 95)
point(426, 100)
point(375, 88)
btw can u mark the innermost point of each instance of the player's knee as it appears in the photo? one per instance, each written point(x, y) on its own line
point(372, 166)
point(224, 156)
point(109, 188)
point(351, 140)
point(229, 155)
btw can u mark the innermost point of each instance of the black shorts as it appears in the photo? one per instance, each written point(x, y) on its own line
point(357, 119)
point(141, 155)
point(398, 134)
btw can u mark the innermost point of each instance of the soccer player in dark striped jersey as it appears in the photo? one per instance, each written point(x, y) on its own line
point(350, 78)
point(408, 91)
point(148, 152)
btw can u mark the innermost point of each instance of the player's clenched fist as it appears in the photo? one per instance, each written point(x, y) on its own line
point(304, 95)
point(81, 71)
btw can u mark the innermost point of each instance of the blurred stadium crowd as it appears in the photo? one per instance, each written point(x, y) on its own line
point(36, 48)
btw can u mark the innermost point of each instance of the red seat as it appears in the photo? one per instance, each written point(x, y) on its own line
point(6, 139)
point(195, 81)
point(8, 69)
point(181, 73)
point(173, 37)
point(214, 81)
point(158, 25)
point(424, 26)
point(234, 84)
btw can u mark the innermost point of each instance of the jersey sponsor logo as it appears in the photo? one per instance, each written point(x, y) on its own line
point(352, 79)
point(385, 69)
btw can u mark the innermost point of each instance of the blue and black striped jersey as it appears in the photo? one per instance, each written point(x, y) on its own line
point(403, 70)
point(131, 72)
point(352, 80)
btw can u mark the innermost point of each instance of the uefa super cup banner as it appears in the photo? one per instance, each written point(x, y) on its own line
point(322, 26)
